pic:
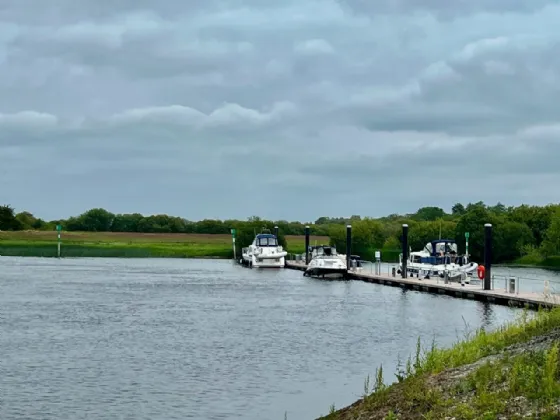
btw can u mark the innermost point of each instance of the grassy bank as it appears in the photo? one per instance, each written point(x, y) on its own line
point(124, 244)
point(510, 373)
point(535, 260)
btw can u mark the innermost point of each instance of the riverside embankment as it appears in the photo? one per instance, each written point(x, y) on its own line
point(511, 373)
point(126, 244)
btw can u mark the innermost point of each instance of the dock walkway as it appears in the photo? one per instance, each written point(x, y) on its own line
point(468, 291)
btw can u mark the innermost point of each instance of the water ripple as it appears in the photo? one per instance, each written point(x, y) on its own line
point(175, 339)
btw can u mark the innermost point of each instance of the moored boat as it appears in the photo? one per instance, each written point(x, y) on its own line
point(438, 258)
point(326, 262)
point(264, 252)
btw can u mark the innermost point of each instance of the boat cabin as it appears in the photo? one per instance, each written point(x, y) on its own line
point(441, 246)
point(322, 250)
point(266, 239)
point(441, 251)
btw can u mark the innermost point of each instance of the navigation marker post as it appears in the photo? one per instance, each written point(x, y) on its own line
point(233, 242)
point(58, 230)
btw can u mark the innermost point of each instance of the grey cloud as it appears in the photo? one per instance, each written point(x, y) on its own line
point(443, 8)
point(288, 110)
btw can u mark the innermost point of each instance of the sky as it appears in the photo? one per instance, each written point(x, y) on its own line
point(288, 110)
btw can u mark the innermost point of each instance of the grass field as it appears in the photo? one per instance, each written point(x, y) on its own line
point(129, 244)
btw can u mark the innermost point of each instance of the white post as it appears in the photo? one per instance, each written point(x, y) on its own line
point(58, 244)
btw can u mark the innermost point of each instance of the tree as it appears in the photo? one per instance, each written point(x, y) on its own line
point(509, 239)
point(538, 219)
point(8, 220)
point(94, 220)
point(126, 222)
point(367, 237)
point(429, 213)
point(551, 242)
point(473, 221)
point(499, 208)
point(458, 209)
point(28, 221)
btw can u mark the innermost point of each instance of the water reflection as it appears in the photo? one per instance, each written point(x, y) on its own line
point(487, 318)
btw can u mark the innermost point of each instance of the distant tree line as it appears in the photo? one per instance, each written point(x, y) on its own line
point(529, 232)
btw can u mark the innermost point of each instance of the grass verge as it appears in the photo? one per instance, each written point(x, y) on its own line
point(538, 261)
point(126, 245)
point(505, 374)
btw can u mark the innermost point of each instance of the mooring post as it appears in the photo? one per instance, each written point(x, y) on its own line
point(348, 247)
point(58, 231)
point(404, 250)
point(276, 231)
point(487, 256)
point(306, 245)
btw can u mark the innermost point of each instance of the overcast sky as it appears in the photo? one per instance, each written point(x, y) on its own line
point(288, 109)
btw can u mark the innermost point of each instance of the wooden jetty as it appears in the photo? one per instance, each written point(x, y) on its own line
point(531, 300)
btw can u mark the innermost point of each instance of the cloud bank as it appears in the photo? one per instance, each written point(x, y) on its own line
point(287, 110)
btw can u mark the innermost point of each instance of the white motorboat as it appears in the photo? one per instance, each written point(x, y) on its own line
point(439, 258)
point(326, 262)
point(264, 252)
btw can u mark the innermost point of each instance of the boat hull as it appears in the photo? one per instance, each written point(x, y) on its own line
point(423, 270)
point(268, 262)
point(326, 272)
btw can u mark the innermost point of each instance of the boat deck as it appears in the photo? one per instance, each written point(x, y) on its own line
point(468, 291)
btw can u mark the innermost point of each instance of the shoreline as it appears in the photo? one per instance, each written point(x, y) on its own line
point(163, 249)
point(176, 245)
point(504, 374)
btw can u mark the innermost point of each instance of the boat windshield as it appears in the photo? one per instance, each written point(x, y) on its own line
point(326, 251)
point(445, 247)
point(267, 241)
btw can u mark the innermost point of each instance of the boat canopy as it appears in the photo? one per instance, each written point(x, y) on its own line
point(266, 239)
point(323, 250)
point(447, 246)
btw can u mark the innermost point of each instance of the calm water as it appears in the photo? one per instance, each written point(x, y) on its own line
point(175, 339)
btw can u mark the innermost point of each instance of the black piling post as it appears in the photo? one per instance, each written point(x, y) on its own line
point(276, 231)
point(404, 251)
point(487, 256)
point(348, 247)
point(306, 245)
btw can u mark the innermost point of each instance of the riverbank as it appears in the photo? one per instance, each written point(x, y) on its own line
point(538, 261)
point(507, 374)
point(127, 245)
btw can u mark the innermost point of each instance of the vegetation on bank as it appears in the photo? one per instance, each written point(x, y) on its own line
point(510, 373)
point(127, 244)
point(527, 235)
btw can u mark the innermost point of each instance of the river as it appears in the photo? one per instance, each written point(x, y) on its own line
point(204, 339)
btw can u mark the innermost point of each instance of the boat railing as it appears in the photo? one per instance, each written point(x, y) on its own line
point(508, 283)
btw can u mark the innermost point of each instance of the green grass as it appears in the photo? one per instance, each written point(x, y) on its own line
point(538, 261)
point(127, 245)
point(142, 250)
point(429, 387)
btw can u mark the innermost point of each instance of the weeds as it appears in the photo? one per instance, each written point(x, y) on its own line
point(379, 384)
point(367, 390)
point(498, 387)
point(391, 416)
